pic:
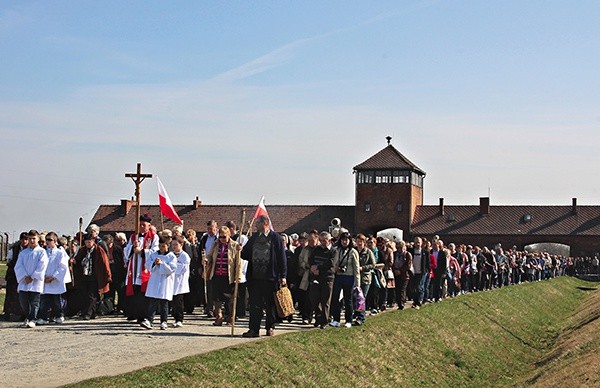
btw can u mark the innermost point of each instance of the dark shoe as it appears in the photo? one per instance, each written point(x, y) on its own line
point(218, 322)
point(250, 334)
point(290, 318)
point(270, 332)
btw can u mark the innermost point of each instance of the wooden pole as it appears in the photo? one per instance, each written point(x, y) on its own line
point(236, 271)
point(80, 244)
point(137, 178)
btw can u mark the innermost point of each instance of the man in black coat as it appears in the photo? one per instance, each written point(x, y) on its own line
point(267, 268)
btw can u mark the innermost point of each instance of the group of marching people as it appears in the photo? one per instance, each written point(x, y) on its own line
point(168, 272)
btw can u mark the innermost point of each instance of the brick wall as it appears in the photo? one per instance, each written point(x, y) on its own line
point(383, 200)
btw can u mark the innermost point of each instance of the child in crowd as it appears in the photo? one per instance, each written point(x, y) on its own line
point(57, 275)
point(181, 284)
point(162, 266)
point(30, 269)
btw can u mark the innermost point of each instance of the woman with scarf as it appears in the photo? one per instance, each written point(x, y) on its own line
point(222, 268)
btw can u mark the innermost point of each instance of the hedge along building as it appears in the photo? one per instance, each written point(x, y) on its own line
point(389, 194)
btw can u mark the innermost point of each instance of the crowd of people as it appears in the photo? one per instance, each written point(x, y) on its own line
point(227, 275)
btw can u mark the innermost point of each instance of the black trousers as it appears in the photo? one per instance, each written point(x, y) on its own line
point(320, 300)
point(262, 298)
point(177, 307)
point(90, 297)
point(137, 304)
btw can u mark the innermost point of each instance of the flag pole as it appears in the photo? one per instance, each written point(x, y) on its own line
point(237, 270)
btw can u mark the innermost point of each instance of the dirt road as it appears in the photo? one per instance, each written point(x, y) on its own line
point(53, 355)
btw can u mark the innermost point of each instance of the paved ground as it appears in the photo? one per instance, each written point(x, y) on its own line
point(53, 355)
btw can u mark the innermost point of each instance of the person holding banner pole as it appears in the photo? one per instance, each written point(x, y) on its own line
point(267, 268)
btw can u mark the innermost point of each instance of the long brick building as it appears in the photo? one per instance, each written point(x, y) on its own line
point(389, 193)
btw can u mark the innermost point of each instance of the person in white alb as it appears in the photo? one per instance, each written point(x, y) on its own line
point(181, 285)
point(30, 270)
point(162, 266)
point(57, 275)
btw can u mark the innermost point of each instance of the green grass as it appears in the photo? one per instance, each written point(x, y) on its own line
point(483, 339)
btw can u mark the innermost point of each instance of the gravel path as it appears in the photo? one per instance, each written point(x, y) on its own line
point(54, 355)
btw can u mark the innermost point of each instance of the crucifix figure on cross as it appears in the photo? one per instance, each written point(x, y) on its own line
point(137, 178)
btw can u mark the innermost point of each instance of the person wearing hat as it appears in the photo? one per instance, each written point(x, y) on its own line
point(92, 270)
point(138, 249)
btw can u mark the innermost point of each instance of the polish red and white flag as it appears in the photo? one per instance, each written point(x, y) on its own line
point(261, 210)
point(166, 207)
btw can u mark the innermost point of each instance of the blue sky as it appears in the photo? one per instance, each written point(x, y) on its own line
point(229, 101)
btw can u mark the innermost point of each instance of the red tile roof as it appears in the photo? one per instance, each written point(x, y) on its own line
point(388, 158)
point(507, 220)
point(285, 218)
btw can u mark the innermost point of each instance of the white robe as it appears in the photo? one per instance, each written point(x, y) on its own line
point(58, 267)
point(162, 276)
point(182, 274)
point(33, 263)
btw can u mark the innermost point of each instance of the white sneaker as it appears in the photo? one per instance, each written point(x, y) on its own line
point(163, 325)
point(348, 324)
point(59, 320)
point(31, 324)
point(178, 324)
point(25, 323)
point(41, 322)
point(146, 324)
point(334, 324)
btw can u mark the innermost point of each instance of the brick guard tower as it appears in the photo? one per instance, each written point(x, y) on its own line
point(389, 187)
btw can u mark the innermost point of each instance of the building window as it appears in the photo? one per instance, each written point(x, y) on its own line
point(364, 177)
point(388, 176)
point(400, 176)
point(367, 207)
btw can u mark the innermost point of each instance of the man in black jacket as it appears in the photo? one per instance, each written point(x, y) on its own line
point(267, 268)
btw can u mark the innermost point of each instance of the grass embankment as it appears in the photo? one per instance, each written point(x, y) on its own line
point(484, 339)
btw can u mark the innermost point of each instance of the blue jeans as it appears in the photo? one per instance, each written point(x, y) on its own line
point(420, 284)
point(30, 303)
point(50, 301)
point(346, 283)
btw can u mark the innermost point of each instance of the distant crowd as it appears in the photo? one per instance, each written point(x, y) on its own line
point(226, 275)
